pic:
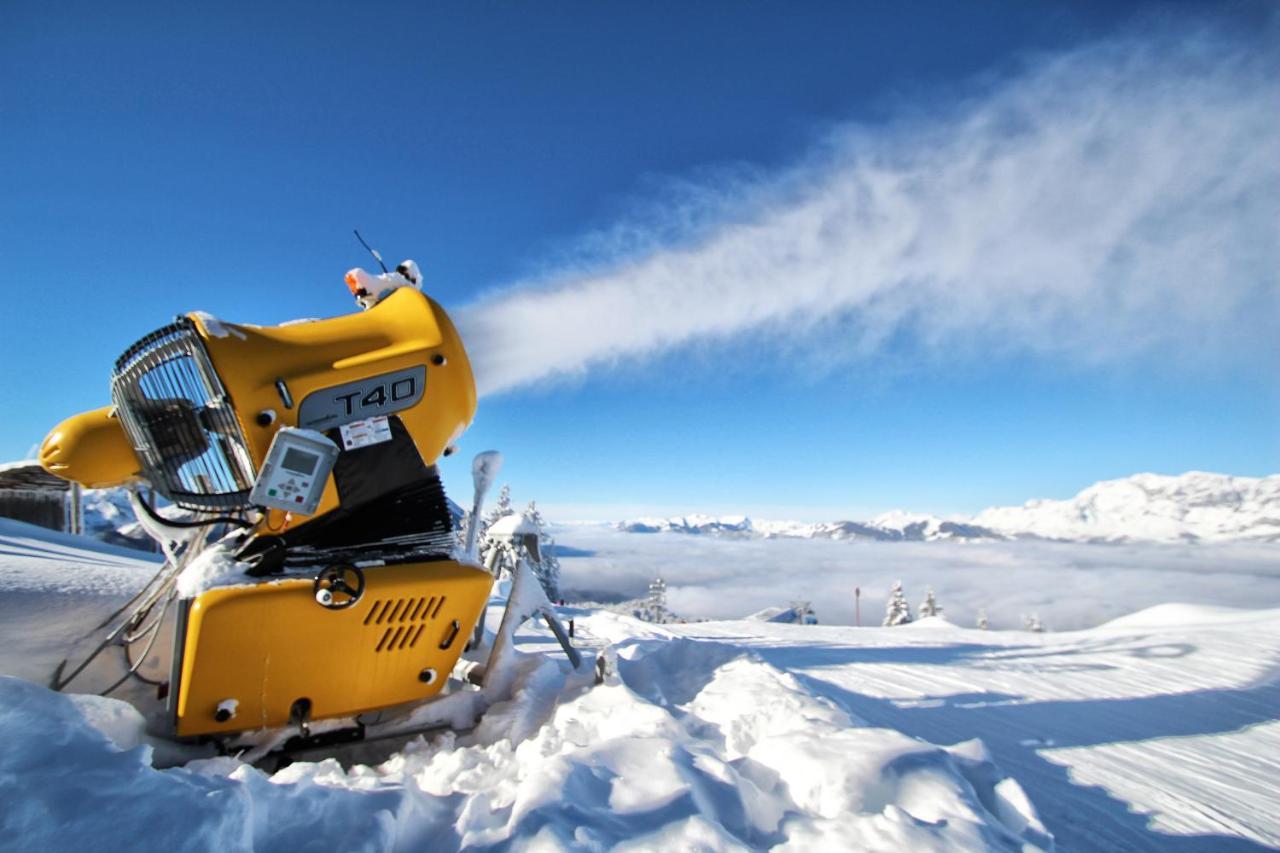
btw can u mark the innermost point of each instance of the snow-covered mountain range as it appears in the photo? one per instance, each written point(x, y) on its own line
point(890, 527)
point(109, 517)
point(1191, 507)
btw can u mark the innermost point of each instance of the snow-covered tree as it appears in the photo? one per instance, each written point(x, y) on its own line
point(654, 608)
point(897, 611)
point(547, 567)
point(508, 537)
point(930, 606)
point(1031, 622)
point(460, 533)
point(500, 510)
point(983, 623)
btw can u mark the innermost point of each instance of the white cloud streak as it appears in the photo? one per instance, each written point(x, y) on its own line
point(1117, 201)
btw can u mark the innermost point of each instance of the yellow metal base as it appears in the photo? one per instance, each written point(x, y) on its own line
point(265, 647)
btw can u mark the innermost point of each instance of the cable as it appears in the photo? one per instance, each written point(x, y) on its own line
point(155, 634)
point(134, 667)
point(372, 250)
point(160, 519)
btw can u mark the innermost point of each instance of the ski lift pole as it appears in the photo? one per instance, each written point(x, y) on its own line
point(857, 606)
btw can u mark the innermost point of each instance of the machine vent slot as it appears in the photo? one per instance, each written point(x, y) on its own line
point(403, 620)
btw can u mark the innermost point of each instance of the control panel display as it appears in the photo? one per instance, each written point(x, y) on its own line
point(294, 474)
point(299, 461)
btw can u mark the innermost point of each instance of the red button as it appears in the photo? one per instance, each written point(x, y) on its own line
point(298, 499)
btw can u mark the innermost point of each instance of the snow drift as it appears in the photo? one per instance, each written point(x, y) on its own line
point(750, 760)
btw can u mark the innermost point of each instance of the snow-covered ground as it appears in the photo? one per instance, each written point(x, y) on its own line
point(1158, 731)
point(53, 585)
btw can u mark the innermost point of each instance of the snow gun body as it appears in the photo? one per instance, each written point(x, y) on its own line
point(340, 590)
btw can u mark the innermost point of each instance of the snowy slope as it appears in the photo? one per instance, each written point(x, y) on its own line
point(1157, 731)
point(55, 587)
point(1160, 731)
point(1191, 507)
point(741, 762)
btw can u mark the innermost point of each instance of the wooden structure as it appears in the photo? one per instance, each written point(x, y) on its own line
point(29, 493)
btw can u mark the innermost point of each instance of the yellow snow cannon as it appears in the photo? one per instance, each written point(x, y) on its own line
point(341, 590)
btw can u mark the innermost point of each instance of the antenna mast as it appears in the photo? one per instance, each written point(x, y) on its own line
point(372, 250)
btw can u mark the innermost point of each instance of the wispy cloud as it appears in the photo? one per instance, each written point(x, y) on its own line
point(1114, 201)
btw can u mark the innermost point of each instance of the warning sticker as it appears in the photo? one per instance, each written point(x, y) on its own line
point(364, 433)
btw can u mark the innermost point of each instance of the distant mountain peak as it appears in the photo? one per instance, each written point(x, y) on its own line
point(1196, 506)
point(1193, 507)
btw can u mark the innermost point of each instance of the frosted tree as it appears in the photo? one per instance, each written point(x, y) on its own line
point(897, 611)
point(500, 510)
point(502, 507)
point(983, 623)
point(930, 606)
point(460, 533)
point(1031, 622)
point(654, 608)
point(547, 566)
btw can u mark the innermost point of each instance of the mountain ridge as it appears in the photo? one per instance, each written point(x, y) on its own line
point(1196, 506)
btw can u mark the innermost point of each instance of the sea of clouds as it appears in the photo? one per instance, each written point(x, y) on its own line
point(1068, 585)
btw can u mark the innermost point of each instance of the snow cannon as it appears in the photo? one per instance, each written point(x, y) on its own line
point(340, 589)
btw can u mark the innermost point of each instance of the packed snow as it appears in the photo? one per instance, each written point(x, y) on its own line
point(1155, 731)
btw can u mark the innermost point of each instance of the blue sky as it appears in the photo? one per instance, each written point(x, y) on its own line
point(160, 158)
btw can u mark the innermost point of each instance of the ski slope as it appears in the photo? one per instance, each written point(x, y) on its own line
point(1157, 731)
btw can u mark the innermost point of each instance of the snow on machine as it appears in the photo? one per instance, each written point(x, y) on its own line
point(339, 602)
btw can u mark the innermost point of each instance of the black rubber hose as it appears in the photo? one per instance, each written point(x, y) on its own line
point(170, 522)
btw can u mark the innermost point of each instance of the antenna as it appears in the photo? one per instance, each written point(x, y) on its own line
point(372, 250)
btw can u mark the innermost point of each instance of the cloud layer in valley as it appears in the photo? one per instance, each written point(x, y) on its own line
point(1069, 586)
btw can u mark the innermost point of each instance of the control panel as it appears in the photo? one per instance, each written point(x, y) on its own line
point(295, 471)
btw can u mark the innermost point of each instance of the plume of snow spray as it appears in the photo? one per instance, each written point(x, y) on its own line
point(1107, 202)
